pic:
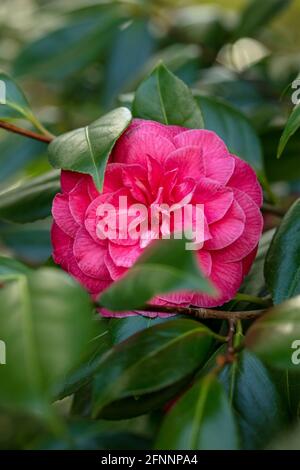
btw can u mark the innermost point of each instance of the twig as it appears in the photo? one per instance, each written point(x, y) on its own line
point(25, 132)
point(204, 313)
point(275, 210)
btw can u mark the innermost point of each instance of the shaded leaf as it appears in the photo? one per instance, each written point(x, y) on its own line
point(200, 420)
point(64, 51)
point(144, 363)
point(282, 267)
point(45, 322)
point(292, 125)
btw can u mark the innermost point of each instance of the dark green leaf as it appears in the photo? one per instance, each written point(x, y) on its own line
point(45, 322)
point(257, 14)
point(123, 67)
point(282, 169)
point(122, 328)
point(144, 363)
point(139, 405)
point(201, 420)
point(234, 128)
point(165, 98)
point(81, 376)
point(292, 125)
point(29, 242)
point(87, 149)
point(15, 155)
point(167, 266)
point(274, 336)
point(92, 435)
point(31, 200)
point(259, 408)
point(63, 52)
point(282, 267)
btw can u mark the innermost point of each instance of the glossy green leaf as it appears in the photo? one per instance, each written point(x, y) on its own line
point(254, 396)
point(257, 14)
point(109, 332)
point(234, 128)
point(292, 125)
point(166, 266)
point(81, 376)
point(87, 149)
point(31, 200)
point(45, 322)
point(66, 50)
point(275, 336)
point(144, 363)
point(122, 328)
point(11, 269)
point(150, 402)
point(165, 98)
point(200, 420)
point(282, 267)
point(259, 408)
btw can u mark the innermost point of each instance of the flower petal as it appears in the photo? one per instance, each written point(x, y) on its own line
point(63, 216)
point(188, 161)
point(219, 165)
point(79, 201)
point(90, 256)
point(136, 144)
point(245, 179)
point(252, 229)
point(216, 198)
point(226, 277)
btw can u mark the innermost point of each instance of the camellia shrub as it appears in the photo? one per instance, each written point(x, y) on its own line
point(166, 314)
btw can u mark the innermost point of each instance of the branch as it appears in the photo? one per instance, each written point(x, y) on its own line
point(25, 132)
point(204, 313)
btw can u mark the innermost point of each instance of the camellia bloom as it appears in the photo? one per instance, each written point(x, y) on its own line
point(157, 164)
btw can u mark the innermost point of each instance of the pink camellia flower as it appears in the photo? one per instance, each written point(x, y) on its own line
point(158, 164)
